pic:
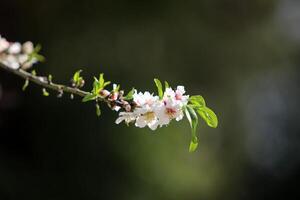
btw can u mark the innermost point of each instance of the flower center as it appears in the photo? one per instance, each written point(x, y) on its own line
point(170, 112)
point(149, 116)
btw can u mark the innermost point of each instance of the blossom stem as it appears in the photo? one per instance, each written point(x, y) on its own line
point(43, 81)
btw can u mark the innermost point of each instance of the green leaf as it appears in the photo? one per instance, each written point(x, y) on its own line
point(166, 85)
point(45, 93)
point(208, 116)
point(37, 48)
point(33, 72)
point(193, 120)
point(159, 88)
point(197, 100)
point(193, 146)
point(25, 85)
point(129, 96)
point(76, 76)
point(50, 78)
point(96, 86)
point(117, 88)
point(98, 110)
point(106, 84)
point(89, 97)
point(101, 80)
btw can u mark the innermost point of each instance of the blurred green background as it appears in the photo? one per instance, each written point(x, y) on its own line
point(242, 56)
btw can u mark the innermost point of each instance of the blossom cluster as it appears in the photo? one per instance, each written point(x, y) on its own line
point(16, 55)
point(153, 111)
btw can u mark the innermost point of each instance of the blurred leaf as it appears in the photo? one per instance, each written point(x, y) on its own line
point(130, 94)
point(89, 97)
point(193, 146)
point(193, 120)
point(98, 110)
point(159, 88)
point(166, 85)
point(25, 85)
point(45, 93)
point(101, 80)
point(76, 76)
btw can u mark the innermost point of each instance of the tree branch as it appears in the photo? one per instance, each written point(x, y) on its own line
point(43, 81)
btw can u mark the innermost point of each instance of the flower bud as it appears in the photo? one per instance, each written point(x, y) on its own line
point(114, 96)
point(27, 47)
point(14, 48)
point(104, 93)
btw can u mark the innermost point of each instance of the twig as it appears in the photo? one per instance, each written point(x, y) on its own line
point(43, 81)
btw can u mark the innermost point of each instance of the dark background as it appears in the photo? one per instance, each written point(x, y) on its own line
point(242, 56)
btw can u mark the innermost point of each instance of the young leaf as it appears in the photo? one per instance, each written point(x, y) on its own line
point(193, 145)
point(98, 111)
point(208, 116)
point(89, 97)
point(45, 93)
point(96, 86)
point(116, 88)
point(106, 84)
point(101, 80)
point(193, 120)
point(50, 78)
point(33, 72)
point(76, 76)
point(197, 100)
point(129, 96)
point(159, 88)
point(166, 85)
point(25, 85)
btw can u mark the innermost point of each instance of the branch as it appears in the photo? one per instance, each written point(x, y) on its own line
point(43, 81)
point(142, 109)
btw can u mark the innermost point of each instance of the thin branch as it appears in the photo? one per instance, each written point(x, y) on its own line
point(43, 81)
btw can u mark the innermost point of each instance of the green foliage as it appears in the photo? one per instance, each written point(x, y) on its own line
point(129, 95)
point(117, 88)
point(35, 54)
point(98, 110)
point(193, 120)
point(197, 100)
point(166, 85)
point(159, 88)
point(208, 116)
point(98, 85)
point(50, 78)
point(45, 93)
point(25, 85)
point(89, 97)
point(198, 106)
point(33, 72)
point(77, 80)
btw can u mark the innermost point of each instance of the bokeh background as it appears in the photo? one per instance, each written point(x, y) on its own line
point(242, 56)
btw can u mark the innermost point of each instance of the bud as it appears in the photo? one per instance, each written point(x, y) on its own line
point(127, 107)
point(27, 47)
point(114, 96)
point(104, 93)
point(81, 83)
point(15, 48)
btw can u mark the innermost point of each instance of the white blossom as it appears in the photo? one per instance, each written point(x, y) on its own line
point(153, 112)
point(14, 48)
point(4, 44)
point(126, 116)
point(11, 61)
point(27, 47)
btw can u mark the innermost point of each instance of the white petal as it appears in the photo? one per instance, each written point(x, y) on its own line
point(153, 125)
point(119, 120)
point(140, 122)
